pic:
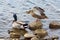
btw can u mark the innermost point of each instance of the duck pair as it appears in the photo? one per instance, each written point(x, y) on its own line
point(39, 15)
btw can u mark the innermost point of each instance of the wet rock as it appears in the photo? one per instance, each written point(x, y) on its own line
point(23, 31)
point(14, 39)
point(41, 33)
point(34, 38)
point(16, 33)
point(35, 25)
point(28, 36)
point(55, 38)
point(51, 38)
point(54, 25)
point(47, 38)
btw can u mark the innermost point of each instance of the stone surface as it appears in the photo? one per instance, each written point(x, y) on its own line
point(35, 25)
point(34, 38)
point(54, 25)
point(41, 33)
point(28, 35)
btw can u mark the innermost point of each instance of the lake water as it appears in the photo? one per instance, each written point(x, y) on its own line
point(9, 7)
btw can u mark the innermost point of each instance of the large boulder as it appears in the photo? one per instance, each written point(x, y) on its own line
point(16, 33)
point(35, 25)
point(54, 25)
point(41, 33)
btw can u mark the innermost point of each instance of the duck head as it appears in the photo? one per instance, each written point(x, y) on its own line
point(29, 12)
point(15, 17)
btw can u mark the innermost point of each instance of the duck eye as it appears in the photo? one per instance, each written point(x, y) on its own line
point(35, 34)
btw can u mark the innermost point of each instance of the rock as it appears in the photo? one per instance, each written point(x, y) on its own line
point(15, 33)
point(14, 38)
point(34, 38)
point(28, 36)
point(23, 31)
point(35, 25)
point(41, 33)
point(47, 38)
point(55, 38)
point(54, 25)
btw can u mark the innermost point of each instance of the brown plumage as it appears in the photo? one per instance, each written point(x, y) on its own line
point(40, 10)
point(42, 16)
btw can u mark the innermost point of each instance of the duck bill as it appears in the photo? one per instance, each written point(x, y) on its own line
point(46, 17)
point(28, 12)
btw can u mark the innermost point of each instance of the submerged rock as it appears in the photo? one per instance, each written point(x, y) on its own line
point(54, 25)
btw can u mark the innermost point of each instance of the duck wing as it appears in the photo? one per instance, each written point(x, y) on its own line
point(37, 16)
point(40, 17)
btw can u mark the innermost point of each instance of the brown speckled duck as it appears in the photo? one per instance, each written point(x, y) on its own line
point(40, 13)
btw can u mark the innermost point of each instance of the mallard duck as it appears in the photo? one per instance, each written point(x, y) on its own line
point(18, 24)
point(39, 15)
point(17, 27)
